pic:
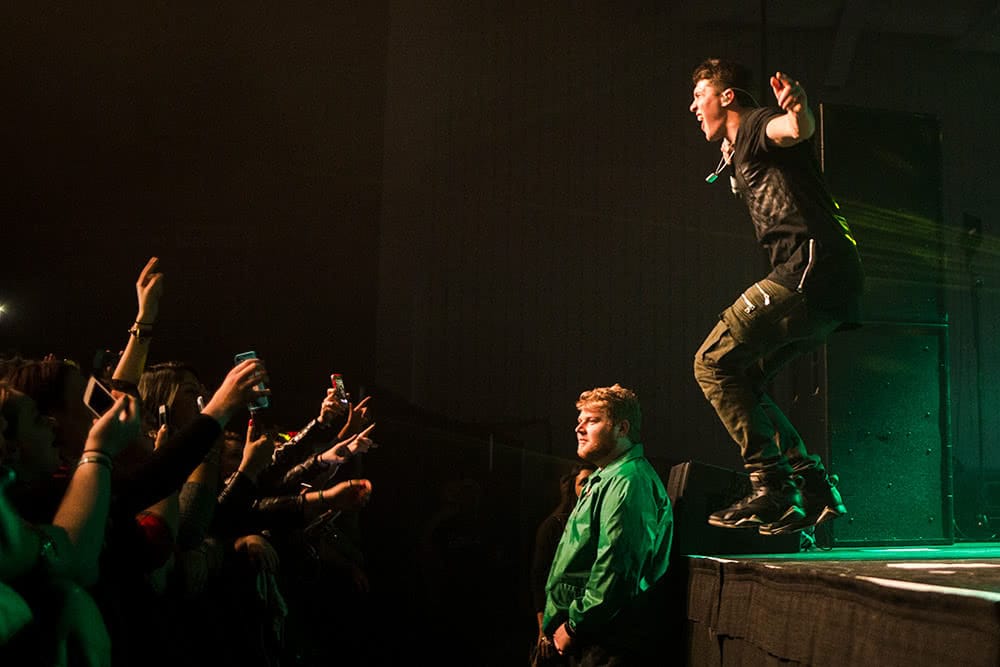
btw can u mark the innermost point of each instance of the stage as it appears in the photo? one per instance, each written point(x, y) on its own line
point(917, 605)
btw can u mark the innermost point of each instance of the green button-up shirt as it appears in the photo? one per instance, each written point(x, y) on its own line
point(615, 546)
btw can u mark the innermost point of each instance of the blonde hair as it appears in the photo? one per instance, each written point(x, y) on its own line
point(618, 403)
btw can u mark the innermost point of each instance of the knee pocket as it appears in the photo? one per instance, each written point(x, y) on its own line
point(764, 313)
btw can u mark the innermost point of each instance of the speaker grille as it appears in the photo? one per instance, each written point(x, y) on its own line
point(889, 425)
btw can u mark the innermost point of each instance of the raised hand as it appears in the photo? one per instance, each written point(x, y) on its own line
point(789, 93)
point(350, 495)
point(116, 428)
point(161, 436)
point(331, 409)
point(345, 449)
point(256, 453)
point(357, 417)
point(148, 290)
point(237, 389)
point(797, 123)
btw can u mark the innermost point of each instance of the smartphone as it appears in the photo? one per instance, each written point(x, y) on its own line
point(260, 402)
point(337, 380)
point(163, 417)
point(97, 397)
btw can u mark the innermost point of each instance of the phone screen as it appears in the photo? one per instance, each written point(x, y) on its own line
point(261, 401)
point(337, 380)
point(97, 397)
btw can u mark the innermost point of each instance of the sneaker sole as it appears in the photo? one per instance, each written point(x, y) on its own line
point(806, 522)
point(755, 521)
point(750, 522)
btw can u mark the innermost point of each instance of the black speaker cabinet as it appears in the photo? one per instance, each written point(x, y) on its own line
point(698, 489)
point(884, 168)
point(889, 434)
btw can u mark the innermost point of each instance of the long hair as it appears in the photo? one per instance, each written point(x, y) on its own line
point(160, 383)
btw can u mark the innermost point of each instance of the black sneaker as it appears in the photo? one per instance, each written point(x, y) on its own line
point(821, 501)
point(773, 501)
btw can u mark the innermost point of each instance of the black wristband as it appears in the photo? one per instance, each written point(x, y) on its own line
point(141, 331)
point(570, 630)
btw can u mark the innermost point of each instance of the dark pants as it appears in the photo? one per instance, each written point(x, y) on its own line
point(767, 327)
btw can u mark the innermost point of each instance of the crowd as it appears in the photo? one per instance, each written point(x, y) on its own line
point(149, 532)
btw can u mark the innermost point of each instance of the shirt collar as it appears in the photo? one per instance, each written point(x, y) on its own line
point(633, 452)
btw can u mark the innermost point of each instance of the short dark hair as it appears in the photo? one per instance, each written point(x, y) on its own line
point(723, 74)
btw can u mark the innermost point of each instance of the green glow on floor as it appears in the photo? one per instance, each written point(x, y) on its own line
point(970, 550)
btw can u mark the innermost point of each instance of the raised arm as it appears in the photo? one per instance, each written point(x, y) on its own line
point(797, 124)
point(83, 512)
point(167, 468)
point(237, 389)
point(148, 289)
point(327, 463)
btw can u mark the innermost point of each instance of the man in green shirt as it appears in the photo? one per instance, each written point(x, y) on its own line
point(600, 591)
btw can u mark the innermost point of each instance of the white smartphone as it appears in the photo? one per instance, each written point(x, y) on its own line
point(97, 397)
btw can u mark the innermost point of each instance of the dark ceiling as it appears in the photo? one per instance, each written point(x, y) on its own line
point(968, 25)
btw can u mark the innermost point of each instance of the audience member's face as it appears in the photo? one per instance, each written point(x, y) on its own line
point(30, 443)
point(73, 420)
point(581, 477)
point(185, 406)
point(596, 436)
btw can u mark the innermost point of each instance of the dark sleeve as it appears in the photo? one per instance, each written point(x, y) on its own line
point(756, 128)
point(311, 468)
point(296, 451)
point(233, 511)
point(546, 540)
point(167, 467)
point(287, 511)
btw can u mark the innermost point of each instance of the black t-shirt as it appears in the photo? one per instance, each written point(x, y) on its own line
point(809, 244)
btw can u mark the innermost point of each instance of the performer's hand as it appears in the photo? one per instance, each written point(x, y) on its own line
point(797, 123)
point(562, 640)
point(789, 94)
